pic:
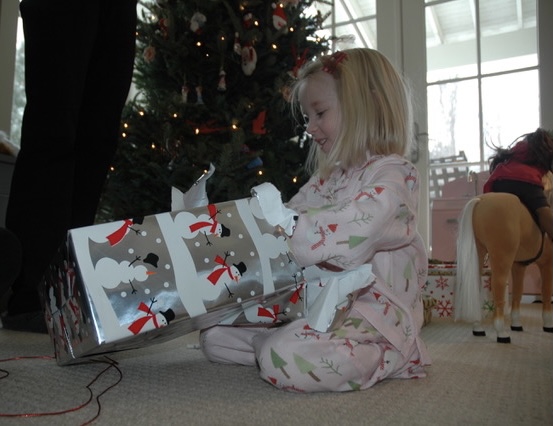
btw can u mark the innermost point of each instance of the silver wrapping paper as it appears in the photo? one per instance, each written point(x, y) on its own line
point(131, 283)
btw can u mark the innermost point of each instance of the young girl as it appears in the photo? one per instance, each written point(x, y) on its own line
point(520, 170)
point(359, 208)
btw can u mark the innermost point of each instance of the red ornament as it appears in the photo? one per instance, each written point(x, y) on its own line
point(258, 124)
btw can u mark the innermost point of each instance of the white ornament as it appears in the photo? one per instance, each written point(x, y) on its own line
point(249, 59)
point(197, 22)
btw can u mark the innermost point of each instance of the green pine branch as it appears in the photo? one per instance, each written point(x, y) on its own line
point(181, 120)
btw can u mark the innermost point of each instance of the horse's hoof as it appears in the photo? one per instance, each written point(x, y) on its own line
point(548, 329)
point(478, 333)
point(503, 340)
point(516, 328)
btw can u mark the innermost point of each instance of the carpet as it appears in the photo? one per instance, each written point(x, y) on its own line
point(472, 381)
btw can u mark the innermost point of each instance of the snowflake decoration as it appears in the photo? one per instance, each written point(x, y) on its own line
point(488, 283)
point(444, 308)
point(442, 283)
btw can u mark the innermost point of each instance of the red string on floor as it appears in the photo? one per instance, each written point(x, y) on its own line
point(111, 365)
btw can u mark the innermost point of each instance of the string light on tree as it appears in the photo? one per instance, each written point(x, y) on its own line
point(213, 75)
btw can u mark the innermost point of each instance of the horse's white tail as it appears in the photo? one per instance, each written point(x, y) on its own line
point(468, 283)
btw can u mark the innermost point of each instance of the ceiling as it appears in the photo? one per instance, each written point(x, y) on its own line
point(455, 21)
point(447, 21)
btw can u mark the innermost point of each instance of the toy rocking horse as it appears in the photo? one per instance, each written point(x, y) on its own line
point(499, 225)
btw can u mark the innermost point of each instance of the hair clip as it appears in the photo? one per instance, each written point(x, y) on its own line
point(330, 63)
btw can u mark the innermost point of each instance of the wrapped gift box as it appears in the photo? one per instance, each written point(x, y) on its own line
point(440, 287)
point(129, 283)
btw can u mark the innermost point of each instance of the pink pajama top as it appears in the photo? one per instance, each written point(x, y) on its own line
point(369, 215)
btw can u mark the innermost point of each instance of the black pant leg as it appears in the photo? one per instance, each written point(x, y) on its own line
point(107, 86)
point(60, 49)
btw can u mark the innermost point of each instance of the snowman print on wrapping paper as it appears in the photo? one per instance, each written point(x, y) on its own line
point(207, 224)
point(223, 276)
point(149, 320)
point(64, 312)
point(120, 232)
point(259, 314)
point(111, 274)
point(117, 273)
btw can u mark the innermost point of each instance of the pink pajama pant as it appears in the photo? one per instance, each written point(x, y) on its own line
point(296, 358)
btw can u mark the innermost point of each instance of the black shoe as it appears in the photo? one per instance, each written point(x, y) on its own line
point(32, 322)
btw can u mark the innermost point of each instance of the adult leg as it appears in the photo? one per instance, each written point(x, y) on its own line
point(10, 259)
point(107, 85)
point(58, 39)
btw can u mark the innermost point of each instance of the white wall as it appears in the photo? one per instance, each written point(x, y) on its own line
point(545, 54)
point(405, 46)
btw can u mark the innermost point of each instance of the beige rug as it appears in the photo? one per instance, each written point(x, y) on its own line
point(473, 381)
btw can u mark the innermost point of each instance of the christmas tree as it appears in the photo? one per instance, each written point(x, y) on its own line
point(213, 80)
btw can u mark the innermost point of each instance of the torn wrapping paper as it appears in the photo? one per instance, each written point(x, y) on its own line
point(273, 209)
point(330, 295)
point(196, 196)
point(129, 283)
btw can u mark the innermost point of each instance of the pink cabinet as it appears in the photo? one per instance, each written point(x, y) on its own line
point(447, 209)
point(445, 215)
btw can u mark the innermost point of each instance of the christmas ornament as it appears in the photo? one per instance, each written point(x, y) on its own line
point(149, 54)
point(184, 93)
point(222, 86)
point(280, 21)
point(237, 47)
point(199, 98)
point(258, 124)
point(249, 59)
point(247, 20)
point(197, 22)
point(255, 163)
point(164, 27)
point(300, 61)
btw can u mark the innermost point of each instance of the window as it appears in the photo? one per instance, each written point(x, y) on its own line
point(19, 98)
point(351, 23)
point(482, 76)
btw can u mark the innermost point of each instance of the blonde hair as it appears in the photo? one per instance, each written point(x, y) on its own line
point(375, 109)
